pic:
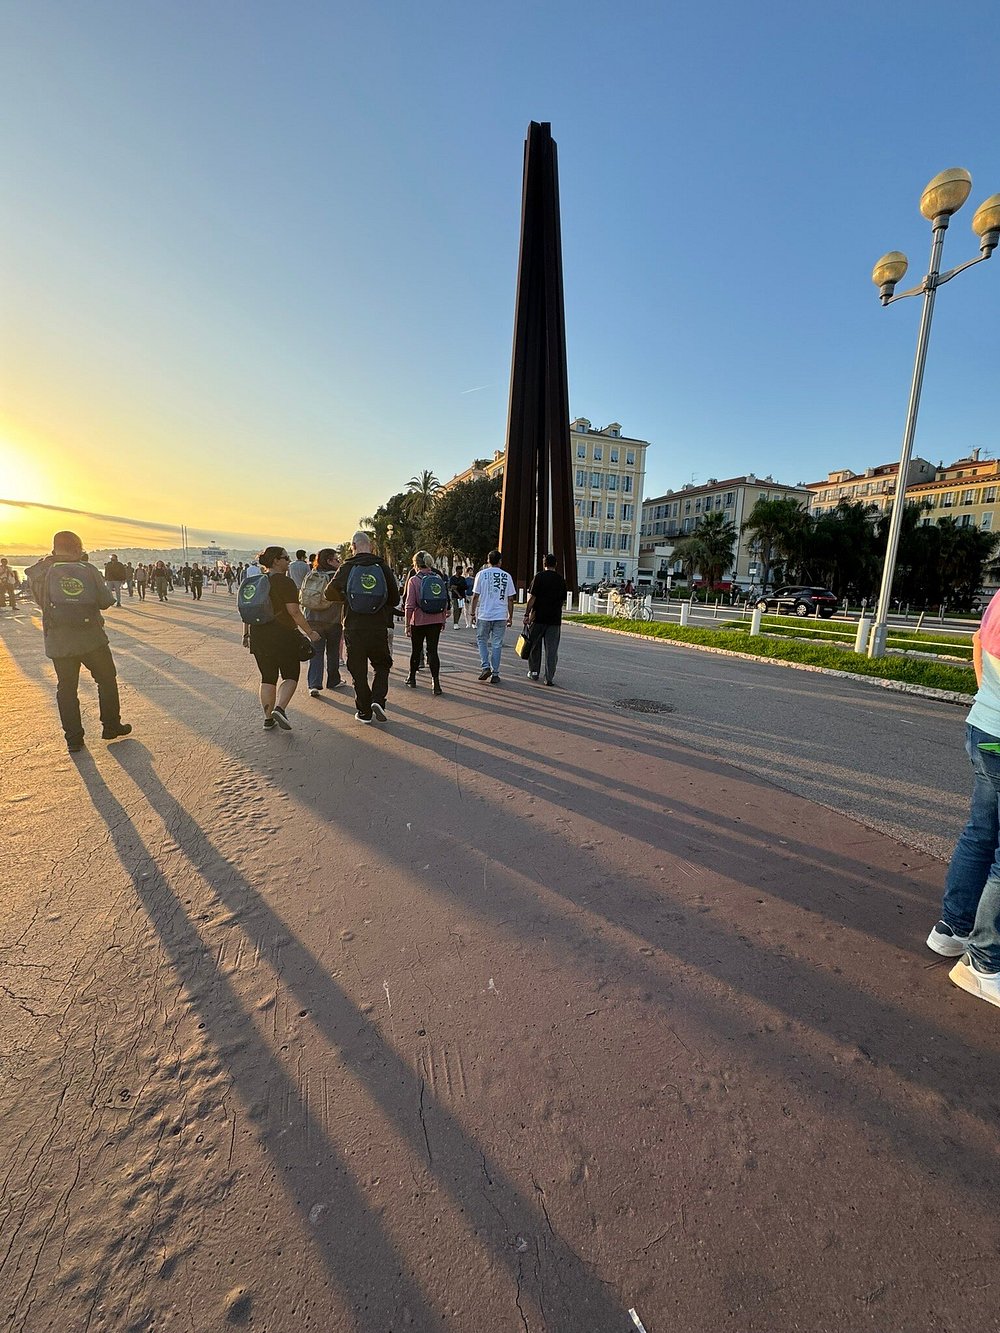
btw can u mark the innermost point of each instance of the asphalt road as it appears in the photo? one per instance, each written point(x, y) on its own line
point(893, 762)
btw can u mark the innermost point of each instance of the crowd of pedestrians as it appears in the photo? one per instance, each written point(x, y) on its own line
point(303, 610)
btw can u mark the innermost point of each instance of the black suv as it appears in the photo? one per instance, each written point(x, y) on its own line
point(802, 600)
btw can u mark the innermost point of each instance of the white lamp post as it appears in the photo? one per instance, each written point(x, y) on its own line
point(944, 195)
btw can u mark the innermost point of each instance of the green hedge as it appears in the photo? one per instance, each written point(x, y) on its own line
point(938, 675)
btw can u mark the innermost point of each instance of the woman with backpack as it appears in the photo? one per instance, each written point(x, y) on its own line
point(274, 622)
point(326, 618)
point(426, 607)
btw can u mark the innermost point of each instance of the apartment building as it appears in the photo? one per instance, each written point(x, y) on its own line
point(669, 517)
point(876, 486)
point(609, 472)
point(965, 490)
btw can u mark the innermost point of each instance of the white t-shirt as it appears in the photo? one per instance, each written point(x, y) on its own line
point(493, 586)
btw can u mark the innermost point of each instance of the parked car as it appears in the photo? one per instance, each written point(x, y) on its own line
point(804, 601)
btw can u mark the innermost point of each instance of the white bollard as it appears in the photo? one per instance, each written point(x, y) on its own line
point(755, 616)
point(861, 639)
point(685, 612)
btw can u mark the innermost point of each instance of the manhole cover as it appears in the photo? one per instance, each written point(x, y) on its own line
point(642, 706)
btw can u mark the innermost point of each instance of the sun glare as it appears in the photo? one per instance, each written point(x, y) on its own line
point(21, 477)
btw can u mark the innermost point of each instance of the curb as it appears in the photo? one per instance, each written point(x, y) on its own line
point(896, 686)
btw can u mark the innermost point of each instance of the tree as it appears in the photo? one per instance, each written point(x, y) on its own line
point(465, 520)
point(780, 529)
point(841, 549)
point(709, 549)
point(423, 491)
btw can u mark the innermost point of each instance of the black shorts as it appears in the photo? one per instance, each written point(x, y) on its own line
point(276, 651)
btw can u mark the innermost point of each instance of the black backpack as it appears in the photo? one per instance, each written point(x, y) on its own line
point(367, 591)
point(71, 595)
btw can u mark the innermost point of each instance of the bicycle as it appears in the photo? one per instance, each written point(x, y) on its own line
point(625, 607)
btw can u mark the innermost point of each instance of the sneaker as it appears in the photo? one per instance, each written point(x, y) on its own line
point(494, 678)
point(269, 724)
point(411, 681)
point(278, 714)
point(437, 688)
point(378, 712)
point(947, 942)
point(484, 674)
point(334, 685)
point(314, 694)
point(983, 985)
point(112, 733)
point(550, 682)
point(532, 675)
point(363, 717)
point(74, 747)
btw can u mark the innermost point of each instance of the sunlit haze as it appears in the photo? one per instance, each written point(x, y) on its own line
point(259, 261)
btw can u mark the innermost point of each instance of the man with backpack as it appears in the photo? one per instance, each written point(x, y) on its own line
point(72, 595)
point(367, 587)
point(326, 618)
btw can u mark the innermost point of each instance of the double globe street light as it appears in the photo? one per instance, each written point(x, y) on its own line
point(943, 197)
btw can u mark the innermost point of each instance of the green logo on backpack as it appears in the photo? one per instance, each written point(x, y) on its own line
point(71, 587)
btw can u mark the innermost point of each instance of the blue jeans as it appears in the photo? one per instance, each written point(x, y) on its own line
point(328, 648)
point(972, 887)
point(115, 588)
point(489, 636)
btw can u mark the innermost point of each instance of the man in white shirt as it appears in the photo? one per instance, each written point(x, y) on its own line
point(492, 611)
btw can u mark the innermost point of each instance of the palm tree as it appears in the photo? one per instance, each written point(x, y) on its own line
point(709, 549)
point(779, 530)
point(423, 492)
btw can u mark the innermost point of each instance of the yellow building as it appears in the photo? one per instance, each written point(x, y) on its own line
point(876, 486)
point(966, 491)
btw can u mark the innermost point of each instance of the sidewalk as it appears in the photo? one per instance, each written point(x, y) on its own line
point(509, 1015)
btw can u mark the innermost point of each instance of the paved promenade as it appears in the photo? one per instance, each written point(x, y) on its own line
point(511, 1015)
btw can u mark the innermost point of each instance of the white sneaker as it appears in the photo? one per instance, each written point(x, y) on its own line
point(314, 694)
point(983, 985)
point(946, 942)
point(378, 712)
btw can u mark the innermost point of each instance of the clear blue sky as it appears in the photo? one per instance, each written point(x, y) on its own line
point(286, 236)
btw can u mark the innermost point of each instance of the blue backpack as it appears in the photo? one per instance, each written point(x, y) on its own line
point(367, 591)
point(432, 597)
point(254, 600)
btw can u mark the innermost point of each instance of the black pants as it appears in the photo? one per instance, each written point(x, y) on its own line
point(549, 636)
point(101, 666)
point(419, 635)
point(196, 591)
point(367, 639)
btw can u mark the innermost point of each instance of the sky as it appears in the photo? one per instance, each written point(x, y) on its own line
point(258, 261)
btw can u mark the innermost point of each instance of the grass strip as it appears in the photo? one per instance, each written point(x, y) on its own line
point(948, 648)
point(935, 675)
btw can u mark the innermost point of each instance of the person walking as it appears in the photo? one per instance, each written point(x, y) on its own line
point(298, 569)
point(10, 581)
point(969, 928)
point(492, 611)
point(130, 578)
point(161, 580)
point(115, 574)
point(72, 595)
point(367, 588)
point(230, 578)
point(426, 611)
point(543, 619)
point(141, 578)
point(197, 577)
point(456, 587)
point(275, 644)
point(326, 618)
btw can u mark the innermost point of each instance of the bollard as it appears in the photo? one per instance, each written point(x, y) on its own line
point(685, 612)
point(861, 639)
point(920, 621)
point(715, 613)
point(755, 616)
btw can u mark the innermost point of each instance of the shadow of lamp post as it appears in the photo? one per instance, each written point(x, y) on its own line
point(943, 197)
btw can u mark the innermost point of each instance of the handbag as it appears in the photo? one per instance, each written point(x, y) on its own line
point(306, 647)
point(523, 645)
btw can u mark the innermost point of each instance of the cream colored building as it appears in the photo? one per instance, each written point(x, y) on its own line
point(668, 518)
point(609, 471)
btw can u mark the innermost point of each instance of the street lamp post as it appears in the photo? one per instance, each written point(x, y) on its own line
point(943, 197)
